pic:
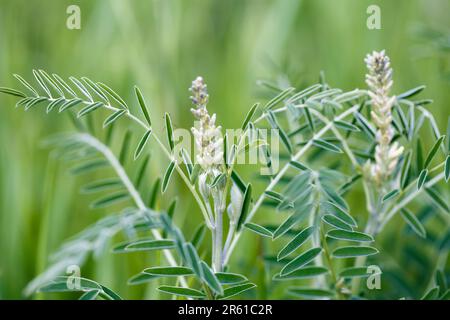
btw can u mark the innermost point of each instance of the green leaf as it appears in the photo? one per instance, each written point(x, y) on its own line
point(432, 294)
point(354, 251)
point(326, 145)
point(410, 93)
point(218, 179)
point(447, 169)
point(167, 176)
point(193, 259)
point(306, 292)
point(346, 125)
point(113, 117)
point(296, 217)
point(303, 273)
point(336, 222)
point(89, 108)
point(41, 82)
point(390, 195)
point(210, 278)
point(95, 88)
point(109, 200)
point(70, 284)
point(235, 290)
point(54, 104)
point(404, 176)
point(238, 180)
point(277, 99)
point(198, 235)
point(366, 126)
point(141, 278)
point(142, 144)
point(249, 116)
point(141, 171)
point(143, 105)
point(113, 94)
point(12, 92)
point(285, 139)
point(258, 229)
point(101, 185)
point(305, 92)
point(413, 223)
point(26, 85)
point(419, 155)
point(90, 295)
point(169, 271)
point(169, 130)
point(195, 172)
point(187, 160)
point(298, 165)
point(230, 278)
point(110, 293)
point(339, 212)
point(309, 118)
point(245, 207)
point(34, 102)
point(81, 87)
point(183, 292)
point(437, 198)
point(300, 261)
point(295, 243)
point(433, 151)
point(69, 104)
point(422, 178)
point(63, 84)
point(144, 245)
point(274, 195)
point(89, 166)
point(154, 194)
point(354, 272)
point(349, 235)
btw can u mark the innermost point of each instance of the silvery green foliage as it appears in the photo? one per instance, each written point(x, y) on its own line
point(327, 137)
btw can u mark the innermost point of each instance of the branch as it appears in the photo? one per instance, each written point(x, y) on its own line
point(281, 173)
point(96, 144)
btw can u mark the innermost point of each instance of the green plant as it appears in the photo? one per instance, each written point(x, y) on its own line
point(333, 143)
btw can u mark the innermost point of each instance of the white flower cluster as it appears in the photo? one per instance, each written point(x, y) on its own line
point(208, 137)
point(379, 80)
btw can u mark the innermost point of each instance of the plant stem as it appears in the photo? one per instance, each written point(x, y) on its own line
point(218, 242)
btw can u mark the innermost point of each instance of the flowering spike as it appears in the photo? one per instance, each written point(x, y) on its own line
point(379, 80)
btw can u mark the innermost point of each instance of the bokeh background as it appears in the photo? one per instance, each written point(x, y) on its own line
point(161, 46)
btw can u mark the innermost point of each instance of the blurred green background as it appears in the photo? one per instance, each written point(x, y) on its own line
point(162, 46)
